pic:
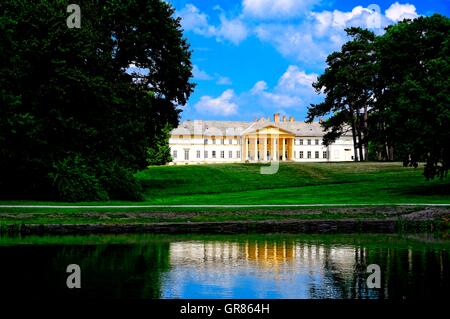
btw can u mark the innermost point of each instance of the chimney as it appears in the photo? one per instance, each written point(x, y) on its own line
point(276, 117)
point(291, 119)
point(262, 119)
point(284, 118)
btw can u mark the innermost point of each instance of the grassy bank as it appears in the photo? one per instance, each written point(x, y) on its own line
point(294, 183)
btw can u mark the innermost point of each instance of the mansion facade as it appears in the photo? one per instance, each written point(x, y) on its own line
point(196, 142)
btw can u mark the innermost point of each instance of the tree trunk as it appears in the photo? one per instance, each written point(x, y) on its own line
point(354, 139)
point(365, 133)
point(360, 143)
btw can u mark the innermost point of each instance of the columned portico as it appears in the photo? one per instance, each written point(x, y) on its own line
point(269, 143)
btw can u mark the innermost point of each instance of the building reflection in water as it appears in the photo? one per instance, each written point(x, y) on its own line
point(269, 268)
point(286, 269)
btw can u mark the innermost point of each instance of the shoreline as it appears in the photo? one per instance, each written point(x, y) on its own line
point(310, 221)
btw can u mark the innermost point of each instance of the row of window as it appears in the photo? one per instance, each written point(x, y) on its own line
point(238, 141)
point(222, 141)
point(308, 142)
point(213, 154)
point(309, 154)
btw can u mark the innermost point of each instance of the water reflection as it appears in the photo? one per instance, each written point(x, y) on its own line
point(227, 267)
point(297, 269)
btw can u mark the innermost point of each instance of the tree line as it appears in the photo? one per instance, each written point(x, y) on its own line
point(392, 93)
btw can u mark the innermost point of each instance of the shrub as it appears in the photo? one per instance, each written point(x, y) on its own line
point(120, 182)
point(74, 180)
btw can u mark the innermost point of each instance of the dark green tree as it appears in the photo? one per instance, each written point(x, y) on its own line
point(413, 96)
point(348, 87)
point(159, 152)
point(74, 124)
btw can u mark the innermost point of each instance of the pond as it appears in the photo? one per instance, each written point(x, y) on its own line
point(228, 266)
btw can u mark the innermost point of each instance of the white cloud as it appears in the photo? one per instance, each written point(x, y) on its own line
point(398, 12)
point(222, 105)
point(200, 74)
point(233, 30)
point(266, 98)
point(223, 80)
point(194, 20)
point(294, 89)
point(297, 81)
point(280, 9)
point(320, 33)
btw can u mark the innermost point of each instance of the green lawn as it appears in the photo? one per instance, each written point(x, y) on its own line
point(295, 183)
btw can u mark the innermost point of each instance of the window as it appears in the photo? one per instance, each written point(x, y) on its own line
point(186, 155)
point(213, 154)
point(205, 141)
point(317, 142)
point(239, 141)
point(206, 154)
point(222, 141)
point(230, 154)
point(230, 141)
point(301, 154)
point(198, 154)
point(324, 154)
point(317, 154)
point(238, 154)
point(309, 142)
point(222, 154)
point(174, 154)
point(213, 140)
point(300, 142)
point(295, 154)
point(309, 154)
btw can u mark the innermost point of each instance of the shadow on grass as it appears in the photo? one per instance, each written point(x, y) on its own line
point(429, 190)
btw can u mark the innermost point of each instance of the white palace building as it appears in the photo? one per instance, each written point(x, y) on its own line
point(199, 142)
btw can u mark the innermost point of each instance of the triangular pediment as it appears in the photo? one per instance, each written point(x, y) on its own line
point(269, 128)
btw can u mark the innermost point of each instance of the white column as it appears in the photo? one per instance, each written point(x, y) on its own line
point(245, 155)
point(265, 149)
point(274, 153)
point(256, 149)
point(292, 147)
point(284, 149)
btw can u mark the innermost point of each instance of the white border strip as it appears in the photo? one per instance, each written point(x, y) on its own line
point(217, 206)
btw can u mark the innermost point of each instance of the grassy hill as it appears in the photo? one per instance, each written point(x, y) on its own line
point(295, 183)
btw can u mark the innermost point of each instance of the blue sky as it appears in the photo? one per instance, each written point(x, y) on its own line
point(253, 58)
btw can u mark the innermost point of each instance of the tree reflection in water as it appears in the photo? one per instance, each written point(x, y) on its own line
point(246, 266)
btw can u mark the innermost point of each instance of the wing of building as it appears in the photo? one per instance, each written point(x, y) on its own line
point(195, 142)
